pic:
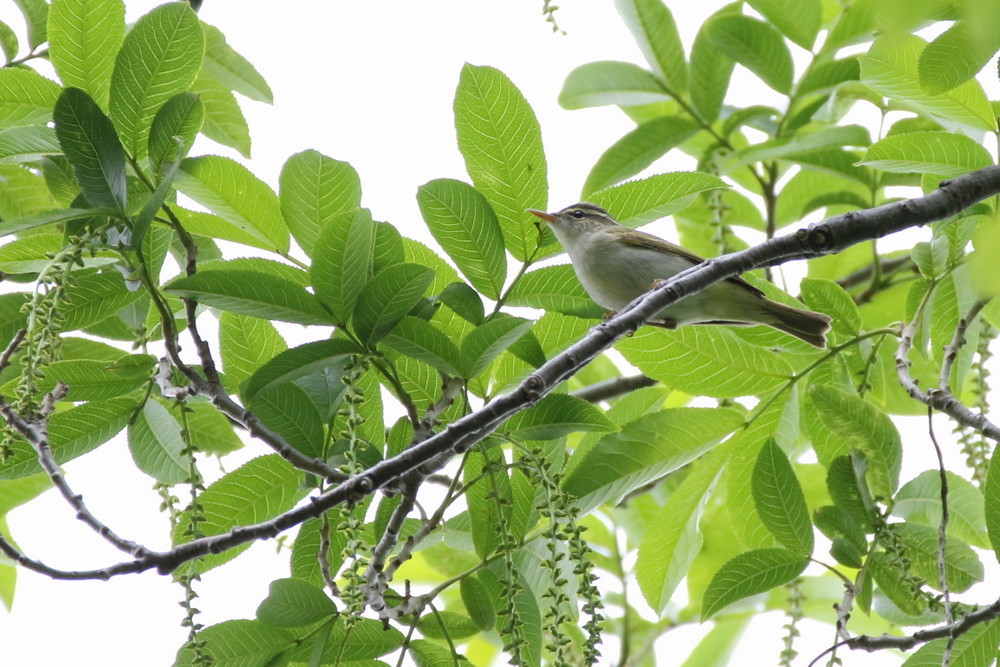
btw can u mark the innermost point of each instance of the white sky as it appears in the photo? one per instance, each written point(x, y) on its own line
point(371, 83)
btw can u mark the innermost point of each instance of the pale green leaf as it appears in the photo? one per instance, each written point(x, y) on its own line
point(297, 362)
point(228, 189)
point(991, 493)
point(231, 69)
point(711, 69)
point(224, 120)
point(940, 153)
point(84, 38)
point(779, 500)
point(653, 28)
point(174, 129)
point(421, 340)
point(610, 82)
point(919, 501)
point(961, 565)
point(799, 20)
point(154, 438)
point(313, 188)
point(709, 361)
point(28, 143)
point(160, 57)
point(553, 288)
point(342, 260)
point(500, 139)
point(828, 297)
point(755, 45)
point(554, 416)
point(749, 574)
point(463, 223)
point(485, 342)
point(292, 603)
point(957, 54)
point(251, 293)
point(237, 643)
point(976, 647)
point(637, 202)
point(637, 150)
point(387, 298)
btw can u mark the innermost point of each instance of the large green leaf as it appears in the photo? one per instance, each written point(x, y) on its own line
point(94, 298)
point(292, 603)
point(962, 567)
point(755, 45)
point(298, 362)
point(890, 68)
point(154, 438)
point(160, 57)
point(610, 82)
point(554, 288)
point(976, 647)
point(653, 28)
point(637, 202)
point(229, 190)
point(852, 423)
point(709, 361)
point(224, 120)
point(174, 129)
point(554, 416)
point(919, 501)
point(251, 293)
point(342, 260)
point(485, 342)
point(798, 19)
point(231, 69)
point(313, 188)
point(89, 141)
point(245, 344)
point(779, 500)
point(237, 643)
point(672, 540)
point(72, 433)
point(387, 298)
point(84, 37)
point(644, 450)
point(463, 223)
point(830, 298)
point(957, 54)
point(94, 380)
point(288, 410)
point(258, 490)
point(749, 574)
point(501, 142)
point(421, 340)
point(28, 143)
point(940, 153)
point(26, 97)
point(991, 494)
point(637, 150)
point(355, 645)
point(712, 70)
point(35, 14)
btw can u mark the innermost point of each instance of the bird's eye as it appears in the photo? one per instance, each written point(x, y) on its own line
point(577, 214)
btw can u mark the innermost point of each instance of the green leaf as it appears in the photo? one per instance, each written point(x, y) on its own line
point(637, 150)
point(554, 288)
point(711, 68)
point(358, 644)
point(961, 565)
point(462, 222)
point(224, 120)
point(823, 78)
point(245, 344)
point(976, 647)
point(653, 28)
point(779, 500)
point(26, 97)
point(342, 262)
point(313, 189)
point(637, 202)
point(610, 82)
point(35, 17)
point(228, 189)
point(387, 298)
point(438, 625)
point(258, 490)
point(426, 653)
point(296, 363)
point(919, 501)
point(799, 20)
point(174, 129)
point(940, 153)
point(672, 540)
point(92, 148)
point(645, 449)
point(251, 293)
point(854, 423)
point(890, 68)
point(90, 380)
point(554, 416)
point(709, 361)
point(477, 602)
point(84, 37)
point(238, 643)
point(790, 148)
point(485, 342)
point(957, 54)
point(826, 296)
point(26, 144)
point(749, 574)
point(421, 340)
point(94, 298)
point(292, 603)
point(157, 447)
point(464, 302)
point(991, 494)
point(72, 433)
point(10, 46)
point(209, 430)
point(499, 137)
point(755, 45)
point(488, 494)
point(231, 69)
point(160, 57)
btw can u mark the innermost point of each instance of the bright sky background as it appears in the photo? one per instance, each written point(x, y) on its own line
point(371, 83)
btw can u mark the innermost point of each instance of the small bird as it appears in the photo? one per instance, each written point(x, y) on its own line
point(616, 264)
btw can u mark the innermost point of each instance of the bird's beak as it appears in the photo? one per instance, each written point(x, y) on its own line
point(547, 217)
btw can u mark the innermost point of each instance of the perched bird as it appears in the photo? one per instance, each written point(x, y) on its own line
point(616, 264)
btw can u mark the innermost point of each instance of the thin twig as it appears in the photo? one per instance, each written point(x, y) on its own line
point(952, 349)
point(949, 615)
point(619, 386)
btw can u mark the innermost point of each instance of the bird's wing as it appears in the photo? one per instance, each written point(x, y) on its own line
point(644, 240)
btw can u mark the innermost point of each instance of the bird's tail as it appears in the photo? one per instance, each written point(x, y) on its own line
point(803, 324)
